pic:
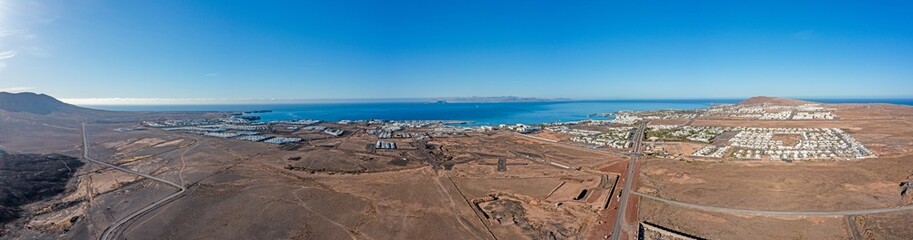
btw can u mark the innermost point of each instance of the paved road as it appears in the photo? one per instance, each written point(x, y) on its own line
point(629, 178)
point(691, 120)
point(626, 191)
point(851, 223)
point(776, 213)
point(111, 231)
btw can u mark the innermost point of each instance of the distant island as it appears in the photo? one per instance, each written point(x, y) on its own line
point(496, 99)
point(204, 101)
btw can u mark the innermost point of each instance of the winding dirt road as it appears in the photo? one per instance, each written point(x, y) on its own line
point(111, 231)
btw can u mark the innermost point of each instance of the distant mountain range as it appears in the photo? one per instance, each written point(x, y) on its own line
point(33, 103)
point(773, 101)
point(42, 104)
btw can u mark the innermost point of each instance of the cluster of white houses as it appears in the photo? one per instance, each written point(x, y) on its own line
point(232, 127)
point(586, 122)
point(303, 122)
point(239, 127)
point(712, 151)
point(703, 134)
point(520, 128)
point(618, 137)
point(182, 123)
point(811, 111)
point(631, 117)
point(781, 115)
point(812, 143)
point(334, 132)
point(626, 119)
point(385, 145)
point(388, 134)
point(455, 130)
point(814, 115)
point(254, 138)
point(282, 140)
point(393, 129)
point(571, 131)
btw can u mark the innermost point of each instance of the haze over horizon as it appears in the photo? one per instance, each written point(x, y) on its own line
point(178, 51)
point(404, 119)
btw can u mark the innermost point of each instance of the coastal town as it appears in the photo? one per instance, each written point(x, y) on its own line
point(666, 134)
point(479, 120)
point(716, 142)
point(762, 111)
point(584, 171)
point(788, 144)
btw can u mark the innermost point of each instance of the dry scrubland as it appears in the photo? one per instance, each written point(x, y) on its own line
point(341, 188)
point(817, 185)
point(335, 188)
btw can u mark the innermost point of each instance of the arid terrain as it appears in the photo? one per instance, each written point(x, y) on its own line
point(493, 184)
point(324, 188)
point(811, 199)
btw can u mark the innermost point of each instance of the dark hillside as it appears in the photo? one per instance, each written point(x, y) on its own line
point(27, 178)
point(31, 103)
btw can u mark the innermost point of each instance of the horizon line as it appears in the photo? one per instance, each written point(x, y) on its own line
point(266, 101)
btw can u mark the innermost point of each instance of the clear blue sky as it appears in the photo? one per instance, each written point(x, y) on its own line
point(402, 49)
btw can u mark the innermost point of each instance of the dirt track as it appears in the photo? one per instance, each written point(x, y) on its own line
point(777, 213)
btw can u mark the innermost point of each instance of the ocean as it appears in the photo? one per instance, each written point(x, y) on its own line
point(478, 113)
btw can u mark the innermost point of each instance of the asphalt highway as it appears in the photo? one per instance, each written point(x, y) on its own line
point(629, 178)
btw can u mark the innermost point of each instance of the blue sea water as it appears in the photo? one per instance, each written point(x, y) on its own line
point(477, 113)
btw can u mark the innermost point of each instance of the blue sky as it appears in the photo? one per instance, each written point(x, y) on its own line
point(201, 50)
